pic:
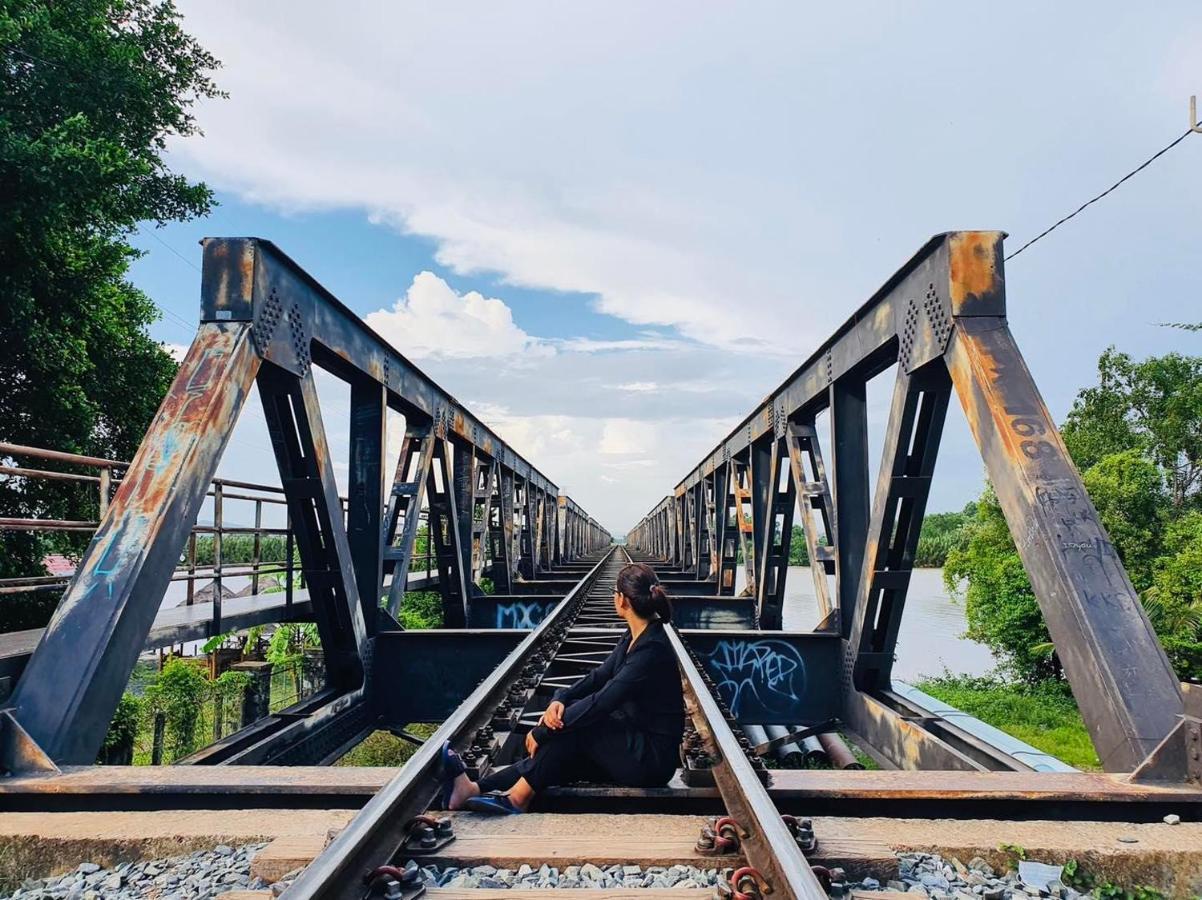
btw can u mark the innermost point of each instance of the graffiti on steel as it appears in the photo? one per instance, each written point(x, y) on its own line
point(521, 614)
point(753, 676)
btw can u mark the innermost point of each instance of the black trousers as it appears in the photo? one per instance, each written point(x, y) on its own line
point(608, 752)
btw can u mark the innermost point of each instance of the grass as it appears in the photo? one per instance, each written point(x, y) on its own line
point(383, 748)
point(861, 757)
point(1045, 716)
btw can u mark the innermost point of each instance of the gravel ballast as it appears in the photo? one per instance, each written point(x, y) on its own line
point(197, 876)
point(206, 874)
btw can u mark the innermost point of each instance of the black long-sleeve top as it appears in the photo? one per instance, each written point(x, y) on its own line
point(640, 685)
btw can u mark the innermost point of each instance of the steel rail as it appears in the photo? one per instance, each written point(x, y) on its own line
point(766, 842)
point(376, 833)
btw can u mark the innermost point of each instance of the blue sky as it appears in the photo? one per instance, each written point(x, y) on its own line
point(637, 219)
point(362, 263)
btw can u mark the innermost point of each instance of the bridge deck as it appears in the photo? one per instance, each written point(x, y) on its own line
point(1050, 795)
point(182, 624)
point(179, 624)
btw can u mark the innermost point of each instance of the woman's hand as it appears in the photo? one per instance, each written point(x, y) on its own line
point(531, 743)
point(552, 717)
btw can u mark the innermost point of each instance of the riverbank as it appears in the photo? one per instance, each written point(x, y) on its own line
point(1045, 716)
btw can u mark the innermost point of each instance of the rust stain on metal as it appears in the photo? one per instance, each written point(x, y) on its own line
point(975, 365)
point(185, 420)
point(246, 268)
point(961, 370)
point(973, 260)
point(319, 455)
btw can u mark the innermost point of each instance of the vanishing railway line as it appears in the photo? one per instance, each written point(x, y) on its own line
point(489, 728)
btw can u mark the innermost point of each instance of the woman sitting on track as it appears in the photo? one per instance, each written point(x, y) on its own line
point(621, 723)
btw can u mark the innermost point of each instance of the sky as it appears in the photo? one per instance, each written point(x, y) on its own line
point(610, 229)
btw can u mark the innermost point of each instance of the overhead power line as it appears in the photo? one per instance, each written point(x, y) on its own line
point(164, 310)
point(1155, 156)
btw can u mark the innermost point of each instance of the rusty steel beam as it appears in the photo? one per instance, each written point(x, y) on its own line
point(302, 453)
point(71, 685)
point(903, 484)
point(941, 320)
point(404, 510)
point(1121, 678)
point(850, 489)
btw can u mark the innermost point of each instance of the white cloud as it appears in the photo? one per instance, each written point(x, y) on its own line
point(748, 173)
point(592, 345)
point(432, 320)
point(671, 387)
point(639, 463)
point(176, 351)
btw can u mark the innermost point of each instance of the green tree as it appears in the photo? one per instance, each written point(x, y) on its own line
point(999, 604)
point(1137, 438)
point(90, 90)
point(290, 640)
point(1174, 601)
point(1154, 406)
point(118, 746)
point(1128, 490)
point(940, 533)
point(178, 693)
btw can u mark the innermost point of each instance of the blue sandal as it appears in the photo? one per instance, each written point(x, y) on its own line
point(493, 803)
point(452, 767)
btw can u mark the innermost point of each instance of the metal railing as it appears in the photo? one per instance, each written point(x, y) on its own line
point(205, 538)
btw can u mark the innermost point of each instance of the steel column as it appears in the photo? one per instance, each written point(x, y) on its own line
point(911, 445)
point(774, 533)
point(850, 479)
point(813, 495)
point(404, 509)
point(293, 415)
point(71, 685)
point(445, 538)
point(365, 506)
point(1121, 678)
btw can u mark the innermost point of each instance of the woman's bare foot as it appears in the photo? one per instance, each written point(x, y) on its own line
point(463, 789)
point(521, 794)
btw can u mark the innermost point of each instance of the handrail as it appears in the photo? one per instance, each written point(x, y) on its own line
point(188, 571)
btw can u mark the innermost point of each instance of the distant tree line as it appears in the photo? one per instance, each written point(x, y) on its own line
point(940, 533)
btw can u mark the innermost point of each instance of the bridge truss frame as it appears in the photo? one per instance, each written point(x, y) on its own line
point(266, 323)
point(941, 319)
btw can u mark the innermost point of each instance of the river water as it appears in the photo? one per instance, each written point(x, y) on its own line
point(932, 630)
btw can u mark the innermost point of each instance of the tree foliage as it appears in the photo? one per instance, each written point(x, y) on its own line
point(421, 609)
point(118, 746)
point(178, 693)
point(1154, 406)
point(999, 604)
point(1136, 436)
point(90, 91)
point(290, 640)
point(940, 533)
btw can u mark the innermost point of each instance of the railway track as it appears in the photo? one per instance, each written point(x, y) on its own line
point(760, 850)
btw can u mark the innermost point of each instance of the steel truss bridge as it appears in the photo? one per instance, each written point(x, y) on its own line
point(752, 688)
